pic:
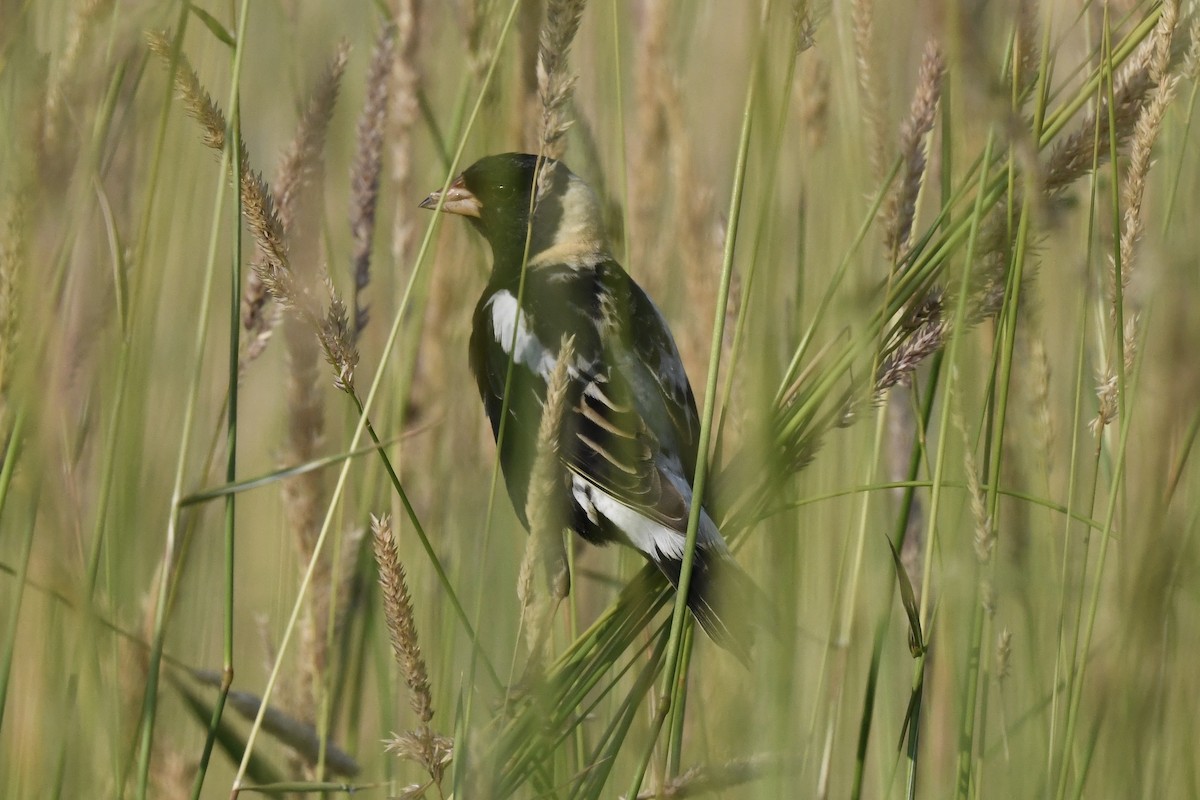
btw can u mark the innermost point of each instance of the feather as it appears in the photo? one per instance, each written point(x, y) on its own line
point(629, 433)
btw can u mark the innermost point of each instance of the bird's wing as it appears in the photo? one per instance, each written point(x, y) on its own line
point(606, 441)
point(656, 364)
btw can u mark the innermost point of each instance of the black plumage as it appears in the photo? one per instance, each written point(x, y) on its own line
point(628, 442)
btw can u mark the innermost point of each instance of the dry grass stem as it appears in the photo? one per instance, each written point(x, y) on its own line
point(65, 72)
point(431, 751)
point(401, 620)
point(648, 149)
point(900, 210)
point(300, 166)
point(543, 508)
point(172, 773)
point(12, 267)
point(1043, 418)
point(1106, 394)
point(1003, 654)
point(812, 96)
point(296, 733)
point(404, 111)
point(337, 340)
point(985, 535)
point(299, 190)
point(694, 240)
point(1149, 123)
point(422, 746)
point(922, 334)
point(704, 781)
point(472, 15)
point(1074, 156)
point(302, 163)
point(368, 163)
point(1191, 59)
point(862, 15)
point(555, 81)
point(1028, 60)
point(258, 204)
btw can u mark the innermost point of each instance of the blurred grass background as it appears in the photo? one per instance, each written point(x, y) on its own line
point(108, 202)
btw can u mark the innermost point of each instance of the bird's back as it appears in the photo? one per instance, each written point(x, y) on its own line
point(619, 341)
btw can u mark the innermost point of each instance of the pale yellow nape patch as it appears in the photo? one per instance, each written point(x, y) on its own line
point(580, 238)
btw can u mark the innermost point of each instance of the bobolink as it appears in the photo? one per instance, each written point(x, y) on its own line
point(628, 441)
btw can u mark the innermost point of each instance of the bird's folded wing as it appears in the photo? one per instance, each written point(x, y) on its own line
point(605, 441)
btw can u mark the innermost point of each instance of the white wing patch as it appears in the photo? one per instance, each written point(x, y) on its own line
point(528, 348)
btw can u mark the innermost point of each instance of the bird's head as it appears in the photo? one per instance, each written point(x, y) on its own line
point(498, 193)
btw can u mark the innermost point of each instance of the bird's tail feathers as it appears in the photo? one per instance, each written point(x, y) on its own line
point(720, 596)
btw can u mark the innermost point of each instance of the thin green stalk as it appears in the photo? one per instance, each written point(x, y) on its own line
point(1025, 497)
point(623, 149)
point(150, 699)
point(1076, 425)
point(597, 772)
point(1010, 320)
point(1106, 537)
point(899, 535)
point(939, 469)
point(835, 282)
point(1118, 344)
point(1117, 359)
point(360, 427)
point(12, 455)
point(775, 149)
point(1072, 477)
point(276, 475)
point(1063, 115)
point(1075, 666)
point(674, 751)
point(502, 429)
point(128, 297)
point(674, 643)
point(423, 537)
point(1098, 453)
point(846, 593)
point(233, 134)
point(914, 726)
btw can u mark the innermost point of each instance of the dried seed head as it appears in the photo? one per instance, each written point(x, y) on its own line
point(555, 82)
point(337, 340)
point(434, 753)
point(1003, 654)
point(404, 112)
point(1106, 393)
point(368, 163)
point(862, 15)
point(544, 510)
point(401, 621)
point(900, 210)
point(812, 95)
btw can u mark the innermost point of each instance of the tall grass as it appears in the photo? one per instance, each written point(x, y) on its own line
point(934, 279)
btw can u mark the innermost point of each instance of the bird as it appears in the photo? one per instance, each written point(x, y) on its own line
point(627, 445)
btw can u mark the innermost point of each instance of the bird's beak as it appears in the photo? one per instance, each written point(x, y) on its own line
point(459, 200)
